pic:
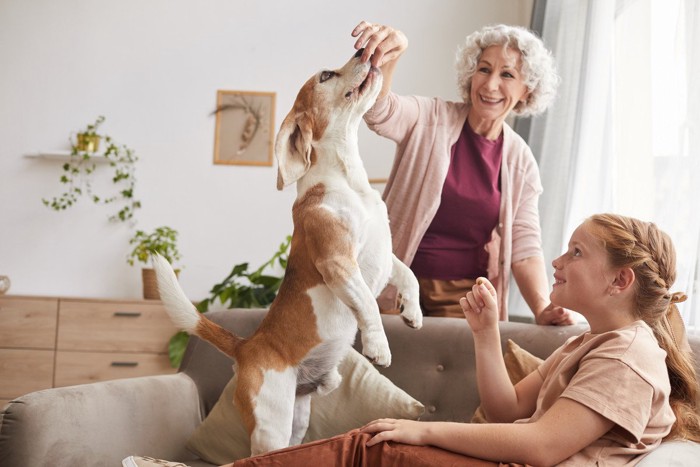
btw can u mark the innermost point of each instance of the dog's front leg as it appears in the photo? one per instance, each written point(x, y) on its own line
point(408, 292)
point(343, 277)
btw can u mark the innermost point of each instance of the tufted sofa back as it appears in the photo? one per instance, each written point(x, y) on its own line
point(435, 364)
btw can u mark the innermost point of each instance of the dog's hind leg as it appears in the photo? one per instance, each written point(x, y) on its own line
point(302, 412)
point(408, 292)
point(274, 411)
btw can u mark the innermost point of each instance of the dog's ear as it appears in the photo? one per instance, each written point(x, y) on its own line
point(293, 148)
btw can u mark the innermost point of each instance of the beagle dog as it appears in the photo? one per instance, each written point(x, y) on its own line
point(340, 260)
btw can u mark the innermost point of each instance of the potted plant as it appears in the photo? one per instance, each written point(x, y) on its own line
point(88, 140)
point(81, 169)
point(162, 240)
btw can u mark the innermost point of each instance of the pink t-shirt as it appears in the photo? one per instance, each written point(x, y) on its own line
point(620, 374)
point(453, 245)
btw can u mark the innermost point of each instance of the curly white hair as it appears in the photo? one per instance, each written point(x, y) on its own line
point(538, 67)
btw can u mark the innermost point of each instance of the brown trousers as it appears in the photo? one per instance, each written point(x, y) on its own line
point(441, 298)
point(350, 449)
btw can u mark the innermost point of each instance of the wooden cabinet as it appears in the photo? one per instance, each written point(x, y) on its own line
point(53, 342)
point(23, 371)
point(27, 345)
point(113, 326)
point(28, 323)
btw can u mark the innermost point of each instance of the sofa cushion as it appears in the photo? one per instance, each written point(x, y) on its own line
point(363, 395)
point(519, 364)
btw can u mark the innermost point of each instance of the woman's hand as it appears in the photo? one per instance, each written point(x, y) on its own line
point(401, 431)
point(480, 306)
point(382, 44)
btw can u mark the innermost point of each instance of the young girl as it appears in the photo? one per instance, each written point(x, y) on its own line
point(604, 398)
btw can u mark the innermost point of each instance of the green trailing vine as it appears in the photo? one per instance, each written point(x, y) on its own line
point(240, 289)
point(79, 171)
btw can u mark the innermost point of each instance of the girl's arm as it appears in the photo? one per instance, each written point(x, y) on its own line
point(500, 400)
point(564, 430)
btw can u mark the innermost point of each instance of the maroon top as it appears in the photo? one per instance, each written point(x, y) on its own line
point(453, 245)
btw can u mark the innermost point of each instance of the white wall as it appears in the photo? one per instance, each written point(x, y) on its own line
point(153, 67)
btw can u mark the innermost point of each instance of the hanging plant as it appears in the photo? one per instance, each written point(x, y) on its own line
point(79, 171)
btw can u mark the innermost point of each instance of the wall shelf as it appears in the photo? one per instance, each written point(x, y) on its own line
point(63, 156)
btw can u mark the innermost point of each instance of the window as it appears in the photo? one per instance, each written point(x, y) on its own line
point(655, 119)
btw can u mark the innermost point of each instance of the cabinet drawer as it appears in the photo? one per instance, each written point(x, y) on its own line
point(28, 322)
point(113, 326)
point(23, 371)
point(88, 367)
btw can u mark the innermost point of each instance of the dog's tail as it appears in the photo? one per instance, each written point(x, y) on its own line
point(184, 314)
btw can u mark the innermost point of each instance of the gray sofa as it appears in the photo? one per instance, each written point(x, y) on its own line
point(99, 424)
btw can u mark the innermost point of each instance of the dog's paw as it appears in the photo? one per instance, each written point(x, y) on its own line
point(376, 349)
point(411, 313)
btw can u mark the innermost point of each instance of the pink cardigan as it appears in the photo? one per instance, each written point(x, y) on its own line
point(424, 130)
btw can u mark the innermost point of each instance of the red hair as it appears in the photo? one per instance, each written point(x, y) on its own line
point(649, 252)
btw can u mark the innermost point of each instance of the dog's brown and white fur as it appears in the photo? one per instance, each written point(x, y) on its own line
point(340, 260)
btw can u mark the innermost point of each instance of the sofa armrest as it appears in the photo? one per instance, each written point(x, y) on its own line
point(100, 423)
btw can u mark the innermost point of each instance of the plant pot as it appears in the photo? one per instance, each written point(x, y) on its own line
point(87, 143)
point(150, 283)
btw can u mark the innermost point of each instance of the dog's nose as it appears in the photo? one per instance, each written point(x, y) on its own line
point(359, 53)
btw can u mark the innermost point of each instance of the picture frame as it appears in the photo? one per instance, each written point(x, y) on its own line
point(244, 128)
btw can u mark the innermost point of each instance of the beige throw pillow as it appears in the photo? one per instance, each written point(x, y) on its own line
point(363, 395)
point(519, 364)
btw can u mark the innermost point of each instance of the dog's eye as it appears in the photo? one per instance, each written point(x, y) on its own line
point(326, 75)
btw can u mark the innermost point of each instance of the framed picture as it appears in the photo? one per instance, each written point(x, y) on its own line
point(244, 128)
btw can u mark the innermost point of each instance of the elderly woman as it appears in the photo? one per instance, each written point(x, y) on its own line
point(463, 191)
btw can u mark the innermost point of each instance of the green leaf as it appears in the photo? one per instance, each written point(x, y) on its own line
point(176, 348)
point(203, 306)
point(267, 281)
point(239, 269)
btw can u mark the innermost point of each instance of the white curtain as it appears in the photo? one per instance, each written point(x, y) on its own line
point(677, 163)
point(572, 140)
point(693, 41)
point(608, 143)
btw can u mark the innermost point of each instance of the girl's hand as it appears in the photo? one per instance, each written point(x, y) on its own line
point(480, 306)
point(401, 431)
point(382, 43)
